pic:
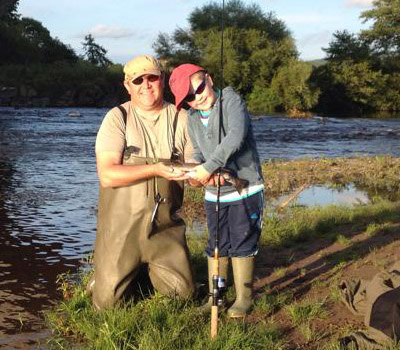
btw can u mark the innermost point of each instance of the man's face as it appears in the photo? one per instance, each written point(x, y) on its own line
point(146, 91)
point(202, 91)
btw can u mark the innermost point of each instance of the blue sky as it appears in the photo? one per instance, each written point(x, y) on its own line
point(126, 28)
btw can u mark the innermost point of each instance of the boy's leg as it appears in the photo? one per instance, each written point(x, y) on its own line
point(245, 224)
point(245, 221)
point(223, 246)
point(243, 270)
point(224, 239)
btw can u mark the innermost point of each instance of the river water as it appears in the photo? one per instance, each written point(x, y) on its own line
point(48, 193)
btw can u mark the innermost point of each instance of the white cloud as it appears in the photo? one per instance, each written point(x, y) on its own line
point(320, 38)
point(359, 3)
point(310, 45)
point(102, 31)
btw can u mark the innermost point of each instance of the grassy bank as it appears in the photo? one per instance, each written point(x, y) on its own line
point(304, 253)
point(378, 176)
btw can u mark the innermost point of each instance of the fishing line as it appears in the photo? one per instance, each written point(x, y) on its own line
point(218, 284)
point(220, 123)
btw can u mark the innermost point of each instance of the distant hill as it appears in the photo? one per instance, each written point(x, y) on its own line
point(318, 62)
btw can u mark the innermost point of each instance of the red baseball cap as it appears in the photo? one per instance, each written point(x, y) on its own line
point(179, 81)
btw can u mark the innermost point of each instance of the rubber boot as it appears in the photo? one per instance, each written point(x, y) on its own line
point(223, 272)
point(243, 269)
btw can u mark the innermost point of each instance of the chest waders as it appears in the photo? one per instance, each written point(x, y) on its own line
point(127, 238)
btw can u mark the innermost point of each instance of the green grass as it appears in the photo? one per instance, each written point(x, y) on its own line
point(377, 175)
point(153, 323)
point(305, 311)
point(299, 225)
point(156, 322)
point(310, 333)
point(269, 303)
point(375, 228)
point(342, 240)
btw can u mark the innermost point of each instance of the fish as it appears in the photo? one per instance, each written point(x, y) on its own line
point(228, 175)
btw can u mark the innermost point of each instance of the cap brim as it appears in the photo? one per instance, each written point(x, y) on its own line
point(132, 77)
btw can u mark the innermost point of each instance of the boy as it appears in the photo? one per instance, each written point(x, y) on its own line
point(240, 215)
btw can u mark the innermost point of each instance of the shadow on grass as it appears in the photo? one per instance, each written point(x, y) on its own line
point(338, 243)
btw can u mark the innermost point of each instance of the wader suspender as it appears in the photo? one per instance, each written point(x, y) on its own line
point(174, 157)
point(174, 153)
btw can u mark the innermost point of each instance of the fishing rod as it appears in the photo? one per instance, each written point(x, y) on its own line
point(217, 281)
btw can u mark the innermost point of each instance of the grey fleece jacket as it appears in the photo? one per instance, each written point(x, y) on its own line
point(237, 150)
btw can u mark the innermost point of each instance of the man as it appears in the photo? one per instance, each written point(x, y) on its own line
point(139, 194)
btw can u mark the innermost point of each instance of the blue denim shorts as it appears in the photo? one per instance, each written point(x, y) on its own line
point(240, 224)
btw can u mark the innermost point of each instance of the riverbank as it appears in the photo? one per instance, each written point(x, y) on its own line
point(377, 176)
point(304, 254)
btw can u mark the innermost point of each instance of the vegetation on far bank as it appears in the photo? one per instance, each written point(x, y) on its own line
point(304, 253)
point(360, 73)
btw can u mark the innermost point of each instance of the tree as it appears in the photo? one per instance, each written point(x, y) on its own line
point(48, 49)
point(289, 91)
point(183, 44)
point(347, 46)
point(94, 53)
point(8, 10)
point(28, 41)
point(363, 71)
point(238, 15)
point(385, 31)
point(256, 45)
point(250, 58)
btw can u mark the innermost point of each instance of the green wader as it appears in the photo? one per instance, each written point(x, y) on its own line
point(126, 238)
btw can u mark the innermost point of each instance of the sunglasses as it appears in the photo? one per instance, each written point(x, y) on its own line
point(151, 78)
point(199, 90)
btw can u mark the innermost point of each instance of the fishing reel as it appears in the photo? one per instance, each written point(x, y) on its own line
point(218, 291)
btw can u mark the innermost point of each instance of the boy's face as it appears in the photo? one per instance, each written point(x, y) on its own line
point(204, 98)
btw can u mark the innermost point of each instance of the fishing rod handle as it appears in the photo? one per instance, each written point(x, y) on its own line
point(214, 321)
point(214, 307)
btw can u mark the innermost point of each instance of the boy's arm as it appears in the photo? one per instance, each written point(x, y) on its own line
point(238, 126)
point(197, 155)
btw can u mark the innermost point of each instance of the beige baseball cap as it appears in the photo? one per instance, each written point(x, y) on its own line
point(142, 65)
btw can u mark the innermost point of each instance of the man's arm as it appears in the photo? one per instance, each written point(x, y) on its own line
point(114, 174)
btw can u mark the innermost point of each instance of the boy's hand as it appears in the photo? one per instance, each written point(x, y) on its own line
point(194, 183)
point(201, 175)
point(214, 180)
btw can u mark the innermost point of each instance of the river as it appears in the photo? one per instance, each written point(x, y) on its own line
point(48, 193)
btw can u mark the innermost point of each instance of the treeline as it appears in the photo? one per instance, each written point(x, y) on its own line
point(360, 73)
point(39, 70)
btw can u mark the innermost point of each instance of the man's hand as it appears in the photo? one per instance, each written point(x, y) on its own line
point(169, 172)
